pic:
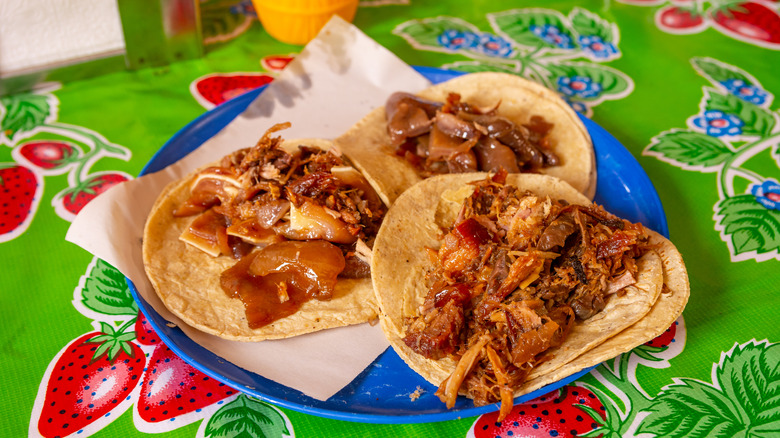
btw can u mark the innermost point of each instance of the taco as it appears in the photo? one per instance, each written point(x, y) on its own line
point(475, 122)
point(271, 242)
point(494, 287)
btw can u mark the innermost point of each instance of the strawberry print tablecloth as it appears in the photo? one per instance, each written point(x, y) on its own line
point(688, 87)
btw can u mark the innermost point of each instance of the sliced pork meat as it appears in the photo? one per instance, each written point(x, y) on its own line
point(456, 137)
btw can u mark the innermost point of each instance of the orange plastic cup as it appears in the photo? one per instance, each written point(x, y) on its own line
point(298, 21)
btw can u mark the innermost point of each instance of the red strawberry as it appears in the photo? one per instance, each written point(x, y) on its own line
point(172, 388)
point(20, 191)
point(664, 339)
point(215, 89)
point(49, 154)
point(680, 20)
point(751, 22)
point(94, 374)
point(144, 332)
point(276, 62)
point(73, 199)
point(557, 414)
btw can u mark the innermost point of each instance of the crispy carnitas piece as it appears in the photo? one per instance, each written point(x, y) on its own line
point(509, 281)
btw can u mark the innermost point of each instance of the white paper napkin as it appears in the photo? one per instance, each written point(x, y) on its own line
point(338, 78)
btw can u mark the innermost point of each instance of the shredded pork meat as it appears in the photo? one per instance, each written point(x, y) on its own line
point(509, 281)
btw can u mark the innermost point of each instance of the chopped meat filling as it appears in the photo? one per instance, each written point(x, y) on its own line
point(511, 278)
point(456, 137)
point(259, 199)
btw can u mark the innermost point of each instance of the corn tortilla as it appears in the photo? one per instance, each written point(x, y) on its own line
point(415, 222)
point(368, 144)
point(187, 279)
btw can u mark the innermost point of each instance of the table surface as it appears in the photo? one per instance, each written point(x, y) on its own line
point(687, 87)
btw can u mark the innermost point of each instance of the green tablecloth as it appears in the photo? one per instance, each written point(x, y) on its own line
point(687, 87)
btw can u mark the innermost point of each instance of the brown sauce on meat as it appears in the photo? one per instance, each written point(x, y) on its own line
point(259, 294)
point(276, 281)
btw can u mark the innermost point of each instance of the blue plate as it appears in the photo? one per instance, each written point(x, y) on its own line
point(381, 393)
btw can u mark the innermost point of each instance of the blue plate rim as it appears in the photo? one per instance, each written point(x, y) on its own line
point(208, 124)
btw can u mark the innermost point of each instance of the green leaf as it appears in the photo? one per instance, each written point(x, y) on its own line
point(105, 291)
point(99, 339)
point(23, 112)
point(610, 425)
point(758, 121)
point(107, 328)
point(116, 347)
point(743, 399)
point(424, 34)
point(125, 337)
point(645, 352)
point(718, 72)
point(690, 149)
point(750, 225)
point(751, 377)
point(102, 348)
point(611, 80)
point(587, 23)
point(516, 25)
point(691, 409)
point(246, 417)
point(113, 341)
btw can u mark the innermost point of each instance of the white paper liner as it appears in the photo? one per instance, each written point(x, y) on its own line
point(338, 78)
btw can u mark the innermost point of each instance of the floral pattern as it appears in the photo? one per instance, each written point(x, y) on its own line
point(718, 124)
point(552, 34)
point(562, 52)
point(733, 133)
point(747, 92)
point(455, 40)
point(767, 194)
point(597, 47)
point(579, 86)
point(493, 45)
